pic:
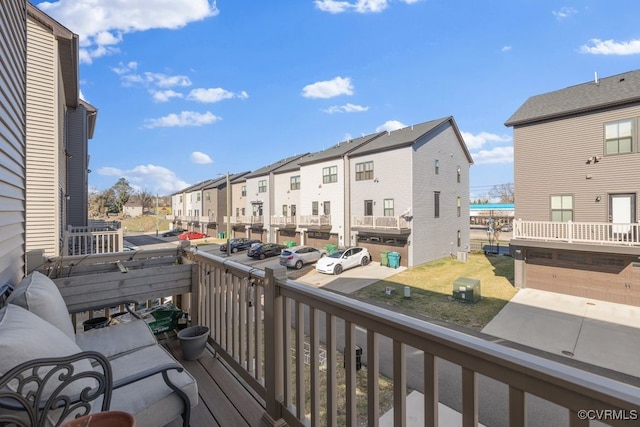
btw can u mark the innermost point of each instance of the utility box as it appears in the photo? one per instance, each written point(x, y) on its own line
point(467, 289)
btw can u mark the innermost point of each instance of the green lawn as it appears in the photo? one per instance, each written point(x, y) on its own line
point(432, 285)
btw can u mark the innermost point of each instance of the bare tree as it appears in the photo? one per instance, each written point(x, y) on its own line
point(503, 193)
point(147, 200)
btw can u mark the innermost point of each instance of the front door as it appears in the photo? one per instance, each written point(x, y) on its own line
point(622, 209)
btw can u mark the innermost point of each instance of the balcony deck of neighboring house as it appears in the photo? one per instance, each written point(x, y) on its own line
point(593, 233)
point(281, 351)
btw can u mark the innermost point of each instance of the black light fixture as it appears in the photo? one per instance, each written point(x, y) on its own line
point(598, 199)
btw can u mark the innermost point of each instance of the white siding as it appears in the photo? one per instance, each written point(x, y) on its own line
point(283, 195)
point(12, 139)
point(43, 138)
point(434, 238)
point(313, 189)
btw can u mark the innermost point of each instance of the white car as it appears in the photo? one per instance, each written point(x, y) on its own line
point(339, 261)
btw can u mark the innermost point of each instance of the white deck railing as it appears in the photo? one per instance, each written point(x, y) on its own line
point(601, 233)
point(314, 220)
point(92, 240)
point(283, 220)
point(245, 219)
point(379, 222)
point(266, 326)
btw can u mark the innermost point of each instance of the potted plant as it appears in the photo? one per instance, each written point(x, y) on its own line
point(103, 419)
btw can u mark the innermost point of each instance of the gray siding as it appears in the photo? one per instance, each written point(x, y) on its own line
point(77, 177)
point(434, 238)
point(43, 141)
point(12, 139)
point(550, 158)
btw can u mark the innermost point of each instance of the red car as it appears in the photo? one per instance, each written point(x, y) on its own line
point(190, 235)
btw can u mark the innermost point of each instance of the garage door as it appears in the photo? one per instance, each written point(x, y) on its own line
point(606, 277)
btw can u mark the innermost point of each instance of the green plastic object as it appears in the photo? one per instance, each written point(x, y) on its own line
point(331, 248)
point(394, 259)
point(384, 259)
point(290, 243)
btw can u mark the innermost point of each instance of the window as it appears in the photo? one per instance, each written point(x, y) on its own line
point(436, 204)
point(314, 208)
point(437, 166)
point(459, 238)
point(237, 211)
point(368, 207)
point(295, 182)
point(242, 211)
point(388, 207)
point(562, 207)
point(458, 206)
point(284, 210)
point(243, 190)
point(364, 171)
point(293, 210)
point(198, 197)
point(618, 137)
point(180, 199)
point(326, 208)
point(329, 174)
point(208, 196)
point(459, 173)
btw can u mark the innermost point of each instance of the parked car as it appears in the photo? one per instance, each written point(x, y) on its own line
point(239, 244)
point(191, 235)
point(506, 228)
point(264, 250)
point(173, 232)
point(342, 260)
point(297, 256)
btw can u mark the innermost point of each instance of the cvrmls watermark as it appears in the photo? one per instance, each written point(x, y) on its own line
point(608, 414)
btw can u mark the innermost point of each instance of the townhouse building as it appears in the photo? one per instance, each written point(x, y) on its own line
point(409, 193)
point(260, 189)
point(576, 169)
point(58, 127)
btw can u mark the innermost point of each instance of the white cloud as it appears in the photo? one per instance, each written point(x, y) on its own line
point(476, 141)
point(156, 179)
point(495, 155)
point(347, 108)
point(125, 68)
point(214, 95)
point(101, 23)
point(611, 47)
point(200, 158)
point(390, 125)
point(358, 6)
point(505, 48)
point(165, 95)
point(564, 12)
point(185, 118)
point(329, 88)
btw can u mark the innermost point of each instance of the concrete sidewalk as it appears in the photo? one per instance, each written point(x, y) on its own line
point(592, 331)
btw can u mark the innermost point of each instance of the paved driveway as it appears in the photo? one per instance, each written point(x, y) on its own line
point(351, 280)
point(592, 331)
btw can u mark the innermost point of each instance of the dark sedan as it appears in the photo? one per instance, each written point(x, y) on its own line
point(264, 250)
point(239, 244)
point(174, 232)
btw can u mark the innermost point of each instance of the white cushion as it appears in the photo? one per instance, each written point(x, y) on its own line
point(116, 339)
point(25, 336)
point(40, 295)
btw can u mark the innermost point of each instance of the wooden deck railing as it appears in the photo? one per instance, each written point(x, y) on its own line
point(283, 220)
point(261, 322)
point(600, 233)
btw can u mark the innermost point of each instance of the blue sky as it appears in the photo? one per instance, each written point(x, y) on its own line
point(189, 89)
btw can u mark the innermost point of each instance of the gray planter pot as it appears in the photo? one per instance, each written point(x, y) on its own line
point(193, 341)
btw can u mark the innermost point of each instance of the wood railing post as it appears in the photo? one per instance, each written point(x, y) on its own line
point(274, 344)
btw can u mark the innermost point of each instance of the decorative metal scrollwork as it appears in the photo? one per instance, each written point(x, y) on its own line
point(54, 389)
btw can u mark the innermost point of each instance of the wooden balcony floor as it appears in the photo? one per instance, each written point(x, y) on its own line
point(223, 399)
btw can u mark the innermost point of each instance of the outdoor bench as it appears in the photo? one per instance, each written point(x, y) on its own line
point(50, 374)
